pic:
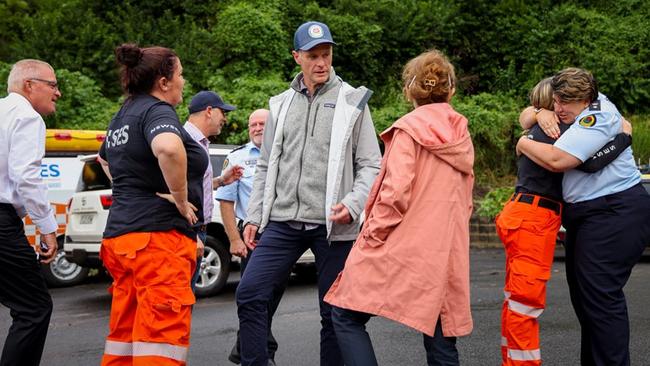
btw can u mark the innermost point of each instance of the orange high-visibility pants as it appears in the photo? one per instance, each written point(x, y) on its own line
point(152, 299)
point(528, 233)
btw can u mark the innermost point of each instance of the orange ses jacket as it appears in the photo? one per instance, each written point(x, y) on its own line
point(410, 262)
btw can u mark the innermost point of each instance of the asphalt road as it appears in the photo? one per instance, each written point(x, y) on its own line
point(80, 320)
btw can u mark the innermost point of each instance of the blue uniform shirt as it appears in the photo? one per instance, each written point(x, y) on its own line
point(593, 128)
point(240, 191)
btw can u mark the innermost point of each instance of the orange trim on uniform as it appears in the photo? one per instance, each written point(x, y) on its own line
point(60, 213)
point(528, 229)
point(152, 299)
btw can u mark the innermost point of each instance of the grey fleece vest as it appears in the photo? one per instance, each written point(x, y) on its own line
point(302, 169)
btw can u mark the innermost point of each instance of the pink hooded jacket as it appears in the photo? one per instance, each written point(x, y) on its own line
point(410, 262)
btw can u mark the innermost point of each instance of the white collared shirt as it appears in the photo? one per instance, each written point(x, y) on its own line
point(22, 146)
point(208, 204)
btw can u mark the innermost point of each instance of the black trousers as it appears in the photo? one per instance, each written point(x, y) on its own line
point(605, 239)
point(23, 291)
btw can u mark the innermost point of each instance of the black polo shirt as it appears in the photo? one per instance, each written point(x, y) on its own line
point(532, 178)
point(136, 173)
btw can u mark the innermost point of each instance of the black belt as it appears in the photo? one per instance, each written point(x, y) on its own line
point(543, 202)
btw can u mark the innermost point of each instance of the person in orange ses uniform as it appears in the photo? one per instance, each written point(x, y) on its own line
point(410, 262)
point(150, 244)
point(528, 226)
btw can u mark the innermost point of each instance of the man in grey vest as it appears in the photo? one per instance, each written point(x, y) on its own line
point(318, 160)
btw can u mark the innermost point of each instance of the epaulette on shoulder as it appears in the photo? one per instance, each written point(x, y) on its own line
point(238, 148)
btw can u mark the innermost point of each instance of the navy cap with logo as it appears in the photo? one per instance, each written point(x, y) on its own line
point(205, 99)
point(310, 35)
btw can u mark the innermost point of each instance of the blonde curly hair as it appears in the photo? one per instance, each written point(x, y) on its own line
point(429, 78)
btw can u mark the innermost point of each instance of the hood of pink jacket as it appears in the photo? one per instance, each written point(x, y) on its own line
point(440, 130)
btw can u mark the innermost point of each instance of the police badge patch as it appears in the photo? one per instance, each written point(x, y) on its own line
point(225, 164)
point(588, 121)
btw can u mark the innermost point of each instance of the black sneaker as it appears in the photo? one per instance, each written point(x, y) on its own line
point(234, 355)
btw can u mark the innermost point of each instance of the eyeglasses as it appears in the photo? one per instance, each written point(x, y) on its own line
point(52, 84)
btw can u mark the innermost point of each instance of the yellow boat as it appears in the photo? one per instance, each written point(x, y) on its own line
point(74, 140)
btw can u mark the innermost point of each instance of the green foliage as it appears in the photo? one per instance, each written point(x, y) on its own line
point(250, 40)
point(241, 48)
point(641, 138)
point(4, 74)
point(10, 19)
point(81, 105)
point(492, 203)
point(493, 126)
point(69, 35)
point(247, 93)
point(394, 107)
point(515, 43)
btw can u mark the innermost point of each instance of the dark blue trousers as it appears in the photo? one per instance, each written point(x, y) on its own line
point(605, 239)
point(357, 349)
point(277, 251)
point(235, 354)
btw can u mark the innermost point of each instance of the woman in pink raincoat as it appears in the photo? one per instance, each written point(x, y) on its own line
point(410, 262)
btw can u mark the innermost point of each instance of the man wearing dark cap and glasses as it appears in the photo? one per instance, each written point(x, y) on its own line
point(207, 117)
point(319, 157)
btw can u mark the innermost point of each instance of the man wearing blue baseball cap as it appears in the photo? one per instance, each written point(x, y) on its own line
point(318, 159)
point(207, 118)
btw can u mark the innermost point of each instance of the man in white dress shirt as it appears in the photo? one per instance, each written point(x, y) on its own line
point(33, 92)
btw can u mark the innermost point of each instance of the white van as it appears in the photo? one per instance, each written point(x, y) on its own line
point(89, 211)
point(60, 169)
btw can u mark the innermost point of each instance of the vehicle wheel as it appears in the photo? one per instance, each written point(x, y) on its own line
point(60, 272)
point(215, 268)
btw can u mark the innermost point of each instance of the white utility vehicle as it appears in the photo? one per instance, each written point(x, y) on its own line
point(89, 211)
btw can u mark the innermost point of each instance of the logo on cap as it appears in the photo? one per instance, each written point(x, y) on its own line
point(315, 31)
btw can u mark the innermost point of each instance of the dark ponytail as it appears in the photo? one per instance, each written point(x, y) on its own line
point(142, 67)
point(128, 55)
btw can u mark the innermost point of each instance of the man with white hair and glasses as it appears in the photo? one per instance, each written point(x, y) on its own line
point(33, 92)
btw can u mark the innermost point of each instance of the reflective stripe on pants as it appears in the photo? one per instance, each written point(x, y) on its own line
point(152, 298)
point(171, 351)
point(528, 233)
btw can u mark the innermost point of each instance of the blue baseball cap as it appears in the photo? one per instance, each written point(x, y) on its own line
point(310, 35)
point(205, 99)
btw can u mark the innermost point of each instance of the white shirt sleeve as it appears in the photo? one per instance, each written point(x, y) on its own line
point(25, 154)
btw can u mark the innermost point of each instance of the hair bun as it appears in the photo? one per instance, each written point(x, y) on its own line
point(128, 55)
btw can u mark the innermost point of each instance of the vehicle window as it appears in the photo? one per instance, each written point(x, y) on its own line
point(217, 164)
point(93, 177)
point(647, 186)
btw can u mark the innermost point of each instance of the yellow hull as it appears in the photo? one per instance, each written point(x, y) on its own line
point(74, 140)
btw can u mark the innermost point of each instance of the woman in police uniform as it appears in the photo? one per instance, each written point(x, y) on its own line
point(607, 215)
